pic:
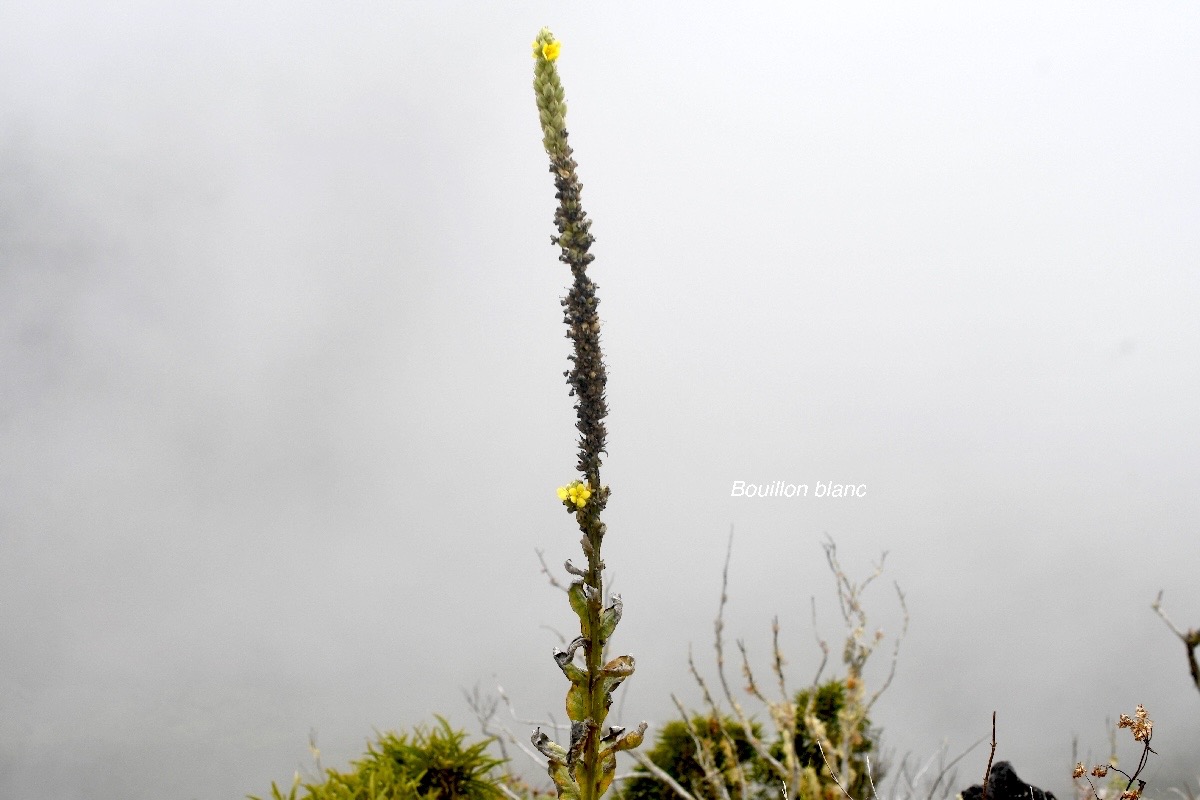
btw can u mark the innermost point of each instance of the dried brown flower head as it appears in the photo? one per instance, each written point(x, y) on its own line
point(1141, 725)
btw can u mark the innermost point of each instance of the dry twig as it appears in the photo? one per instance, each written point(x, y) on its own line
point(660, 773)
point(1190, 639)
point(987, 773)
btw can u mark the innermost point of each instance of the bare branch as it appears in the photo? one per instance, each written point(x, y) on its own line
point(878, 571)
point(484, 709)
point(751, 685)
point(895, 651)
point(704, 756)
point(839, 577)
point(987, 773)
point(561, 639)
point(546, 570)
point(1190, 639)
point(708, 698)
point(1158, 609)
point(832, 771)
point(661, 774)
point(551, 724)
point(719, 622)
point(715, 712)
point(946, 769)
point(759, 746)
point(821, 643)
point(777, 660)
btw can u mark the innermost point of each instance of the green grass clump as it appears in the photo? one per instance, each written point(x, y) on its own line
point(434, 764)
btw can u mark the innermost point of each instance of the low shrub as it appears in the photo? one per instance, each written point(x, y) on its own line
point(434, 764)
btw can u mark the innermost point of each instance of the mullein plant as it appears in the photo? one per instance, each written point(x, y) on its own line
point(585, 768)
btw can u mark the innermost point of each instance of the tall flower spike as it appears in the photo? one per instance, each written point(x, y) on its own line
point(585, 769)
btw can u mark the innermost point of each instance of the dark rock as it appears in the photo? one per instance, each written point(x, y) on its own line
point(1003, 784)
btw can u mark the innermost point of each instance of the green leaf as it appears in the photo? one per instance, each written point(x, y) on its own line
point(563, 782)
point(612, 675)
point(550, 749)
point(578, 598)
point(610, 618)
point(608, 768)
point(625, 741)
point(621, 666)
point(577, 701)
point(566, 661)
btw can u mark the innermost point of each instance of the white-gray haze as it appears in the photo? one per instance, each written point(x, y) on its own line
point(282, 402)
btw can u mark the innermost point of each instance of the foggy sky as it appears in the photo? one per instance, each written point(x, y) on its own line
point(281, 397)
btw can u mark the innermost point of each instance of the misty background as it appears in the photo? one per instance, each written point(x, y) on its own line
point(281, 399)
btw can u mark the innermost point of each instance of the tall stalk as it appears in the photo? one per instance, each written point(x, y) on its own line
point(584, 770)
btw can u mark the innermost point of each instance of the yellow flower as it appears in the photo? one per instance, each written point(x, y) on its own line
point(575, 493)
point(547, 50)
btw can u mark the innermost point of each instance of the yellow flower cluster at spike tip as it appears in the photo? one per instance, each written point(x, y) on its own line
point(547, 50)
point(551, 100)
point(574, 495)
